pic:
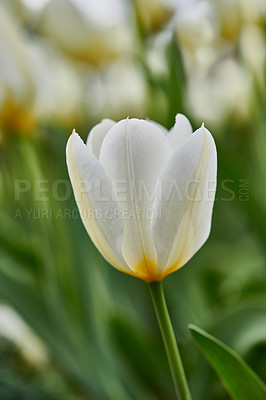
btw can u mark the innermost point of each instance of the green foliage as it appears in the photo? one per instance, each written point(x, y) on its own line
point(239, 379)
point(19, 379)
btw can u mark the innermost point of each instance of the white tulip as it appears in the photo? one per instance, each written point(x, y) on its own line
point(96, 31)
point(145, 195)
point(16, 83)
point(56, 82)
point(196, 25)
point(223, 91)
point(120, 88)
point(153, 14)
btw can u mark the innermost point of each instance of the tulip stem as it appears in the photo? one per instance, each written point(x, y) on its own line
point(169, 339)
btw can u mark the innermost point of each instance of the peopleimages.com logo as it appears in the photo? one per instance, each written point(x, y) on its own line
point(135, 199)
point(60, 190)
point(98, 213)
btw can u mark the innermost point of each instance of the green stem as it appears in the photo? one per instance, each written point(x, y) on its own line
point(170, 344)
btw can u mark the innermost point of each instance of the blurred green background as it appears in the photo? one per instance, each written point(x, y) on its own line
point(72, 327)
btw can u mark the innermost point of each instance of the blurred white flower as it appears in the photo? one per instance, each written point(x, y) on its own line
point(14, 63)
point(117, 90)
point(229, 19)
point(58, 86)
point(14, 329)
point(221, 91)
point(16, 83)
point(253, 50)
point(196, 25)
point(35, 5)
point(233, 15)
point(253, 11)
point(16, 8)
point(224, 54)
point(94, 31)
point(156, 53)
point(152, 14)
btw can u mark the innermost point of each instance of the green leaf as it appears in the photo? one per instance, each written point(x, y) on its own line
point(239, 379)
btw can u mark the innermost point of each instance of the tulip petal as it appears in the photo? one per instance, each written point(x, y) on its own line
point(186, 200)
point(180, 131)
point(95, 200)
point(97, 134)
point(133, 153)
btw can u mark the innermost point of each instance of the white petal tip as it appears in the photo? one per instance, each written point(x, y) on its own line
point(181, 117)
point(74, 142)
point(73, 134)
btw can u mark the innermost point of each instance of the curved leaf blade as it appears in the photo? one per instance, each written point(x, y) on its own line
point(239, 379)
